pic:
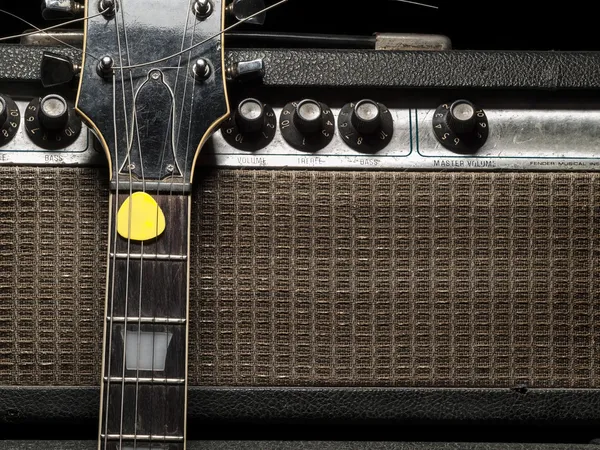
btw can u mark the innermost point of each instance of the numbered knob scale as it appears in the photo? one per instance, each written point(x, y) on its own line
point(366, 126)
point(10, 118)
point(51, 122)
point(307, 125)
point(461, 127)
point(251, 127)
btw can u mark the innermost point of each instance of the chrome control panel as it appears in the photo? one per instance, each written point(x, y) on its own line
point(367, 134)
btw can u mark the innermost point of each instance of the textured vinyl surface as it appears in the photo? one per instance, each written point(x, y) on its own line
point(325, 278)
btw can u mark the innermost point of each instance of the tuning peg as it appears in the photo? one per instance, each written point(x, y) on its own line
point(61, 9)
point(240, 9)
point(57, 69)
point(246, 70)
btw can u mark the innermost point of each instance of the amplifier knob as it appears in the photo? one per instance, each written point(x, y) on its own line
point(10, 118)
point(461, 126)
point(307, 125)
point(366, 126)
point(51, 122)
point(252, 126)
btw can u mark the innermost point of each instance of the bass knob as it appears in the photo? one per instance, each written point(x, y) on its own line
point(366, 126)
point(51, 122)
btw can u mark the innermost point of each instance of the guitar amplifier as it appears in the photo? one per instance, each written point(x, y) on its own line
point(399, 280)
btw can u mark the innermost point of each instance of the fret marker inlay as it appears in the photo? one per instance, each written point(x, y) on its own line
point(140, 218)
point(152, 348)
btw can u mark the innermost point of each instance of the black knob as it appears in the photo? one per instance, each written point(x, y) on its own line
point(461, 126)
point(51, 122)
point(54, 112)
point(250, 116)
point(366, 126)
point(10, 119)
point(3, 111)
point(461, 118)
point(308, 117)
point(252, 127)
point(366, 117)
point(307, 125)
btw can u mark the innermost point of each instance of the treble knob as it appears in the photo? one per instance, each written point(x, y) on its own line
point(10, 119)
point(366, 126)
point(51, 122)
point(461, 126)
point(252, 126)
point(307, 125)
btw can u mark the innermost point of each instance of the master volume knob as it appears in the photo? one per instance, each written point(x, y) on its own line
point(461, 126)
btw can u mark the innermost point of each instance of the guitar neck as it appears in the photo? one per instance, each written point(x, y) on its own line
point(144, 382)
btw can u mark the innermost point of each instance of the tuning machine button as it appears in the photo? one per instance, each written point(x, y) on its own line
point(461, 126)
point(61, 9)
point(242, 9)
point(51, 122)
point(307, 125)
point(251, 127)
point(366, 126)
point(10, 119)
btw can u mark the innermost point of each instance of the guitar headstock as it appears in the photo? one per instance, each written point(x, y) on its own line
point(153, 111)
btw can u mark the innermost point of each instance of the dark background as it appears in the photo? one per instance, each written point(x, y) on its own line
point(477, 25)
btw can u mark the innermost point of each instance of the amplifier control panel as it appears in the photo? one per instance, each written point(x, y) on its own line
point(367, 133)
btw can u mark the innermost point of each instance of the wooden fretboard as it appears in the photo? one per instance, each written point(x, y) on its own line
point(143, 401)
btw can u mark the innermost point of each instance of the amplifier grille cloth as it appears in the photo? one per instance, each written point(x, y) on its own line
point(325, 278)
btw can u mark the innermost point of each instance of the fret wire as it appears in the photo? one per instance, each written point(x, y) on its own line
point(158, 257)
point(145, 380)
point(153, 320)
point(142, 437)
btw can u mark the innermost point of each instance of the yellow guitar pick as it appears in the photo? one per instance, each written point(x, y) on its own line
point(140, 218)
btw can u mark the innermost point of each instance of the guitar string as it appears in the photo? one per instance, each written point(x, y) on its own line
point(225, 30)
point(128, 159)
point(184, 224)
point(112, 260)
point(135, 131)
point(170, 197)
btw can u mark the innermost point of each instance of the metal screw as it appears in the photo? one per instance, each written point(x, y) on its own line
point(170, 168)
point(132, 166)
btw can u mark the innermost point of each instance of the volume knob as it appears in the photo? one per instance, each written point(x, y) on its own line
point(252, 127)
point(250, 116)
